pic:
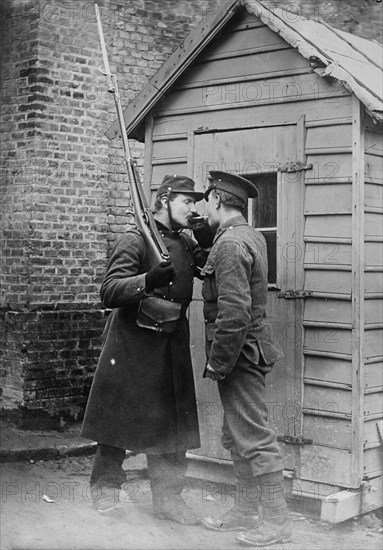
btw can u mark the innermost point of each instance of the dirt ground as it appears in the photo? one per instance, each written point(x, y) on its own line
point(46, 505)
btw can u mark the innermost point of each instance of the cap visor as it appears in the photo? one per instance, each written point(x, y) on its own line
point(195, 194)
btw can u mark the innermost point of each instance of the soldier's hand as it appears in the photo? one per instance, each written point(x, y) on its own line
point(196, 220)
point(160, 275)
point(201, 230)
point(213, 374)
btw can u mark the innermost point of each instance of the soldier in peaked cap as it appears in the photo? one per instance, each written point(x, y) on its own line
point(143, 397)
point(237, 186)
point(241, 351)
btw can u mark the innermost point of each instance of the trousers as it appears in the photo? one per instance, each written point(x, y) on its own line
point(245, 430)
point(166, 471)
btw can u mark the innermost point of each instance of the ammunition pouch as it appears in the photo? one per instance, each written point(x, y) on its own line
point(159, 315)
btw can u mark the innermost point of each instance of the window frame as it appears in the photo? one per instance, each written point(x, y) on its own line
point(278, 276)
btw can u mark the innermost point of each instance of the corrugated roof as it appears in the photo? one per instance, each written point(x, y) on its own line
point(355, 62)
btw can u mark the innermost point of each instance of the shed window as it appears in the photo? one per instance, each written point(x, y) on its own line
point(263, 215)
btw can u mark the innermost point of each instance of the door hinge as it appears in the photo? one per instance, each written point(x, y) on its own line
point(295, 167)
point(294, 440)
point(295, 294)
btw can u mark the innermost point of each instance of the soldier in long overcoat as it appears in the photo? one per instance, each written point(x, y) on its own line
point(143, 396)
point(241, 351)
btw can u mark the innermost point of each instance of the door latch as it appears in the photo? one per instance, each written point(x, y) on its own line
point(295, 294)
point(295, 167)
point(294, 440)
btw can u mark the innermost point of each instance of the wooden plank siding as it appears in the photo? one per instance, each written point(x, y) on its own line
point(328, 322)
point(161, 170)
point(239, 38)
point(327, 263)
point(237, 95)
point(332, 370)
point(322, 462)
point(373, 379)
point(373, 327)
point(373, 167)
point(240, 67)
point(247, 115)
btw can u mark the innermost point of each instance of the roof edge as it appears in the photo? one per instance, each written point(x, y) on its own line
point(168, 73)
point(306, 49)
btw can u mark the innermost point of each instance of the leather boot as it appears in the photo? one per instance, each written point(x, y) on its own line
point(106, 478)
point(106, 500)
point(167, 480)
point(266, 535)
point(234, 519)
point(244, 513)
point(275, 526)
point(174, 508)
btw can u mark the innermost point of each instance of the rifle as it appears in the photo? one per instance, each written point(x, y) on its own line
point(143, 215)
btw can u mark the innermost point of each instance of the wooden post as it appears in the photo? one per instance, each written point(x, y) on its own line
point(357, 293)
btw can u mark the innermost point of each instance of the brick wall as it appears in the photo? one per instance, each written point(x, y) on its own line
point(63, 187)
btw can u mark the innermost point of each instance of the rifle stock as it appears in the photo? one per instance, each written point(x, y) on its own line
point(144, 219)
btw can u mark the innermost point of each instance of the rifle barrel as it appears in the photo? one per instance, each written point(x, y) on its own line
point(103, 49)
point(143, 217)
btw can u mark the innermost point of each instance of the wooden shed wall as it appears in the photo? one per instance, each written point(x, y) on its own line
point(373, 327)
point(328, 377)
point(250, 75)
point(247, 69)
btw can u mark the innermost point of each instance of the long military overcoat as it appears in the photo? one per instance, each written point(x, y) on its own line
point(143, 397)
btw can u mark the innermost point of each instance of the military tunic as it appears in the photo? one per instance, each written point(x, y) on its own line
point(143, 397)
point(240, 342)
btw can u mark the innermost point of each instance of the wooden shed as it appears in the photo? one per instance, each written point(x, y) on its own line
point(294, 105)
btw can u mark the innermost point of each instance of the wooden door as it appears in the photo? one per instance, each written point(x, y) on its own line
point(260, 154)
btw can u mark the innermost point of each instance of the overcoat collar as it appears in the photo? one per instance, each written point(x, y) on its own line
point(162, 226)
point(165, 229)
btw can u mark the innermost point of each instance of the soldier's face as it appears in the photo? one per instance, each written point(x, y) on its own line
point(181, 207)
point(212, 210)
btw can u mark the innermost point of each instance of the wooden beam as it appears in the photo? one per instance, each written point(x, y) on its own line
point(241, 79)
point(340, 506)
point(282, 100)
point(345, 505)
point(357, 292)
